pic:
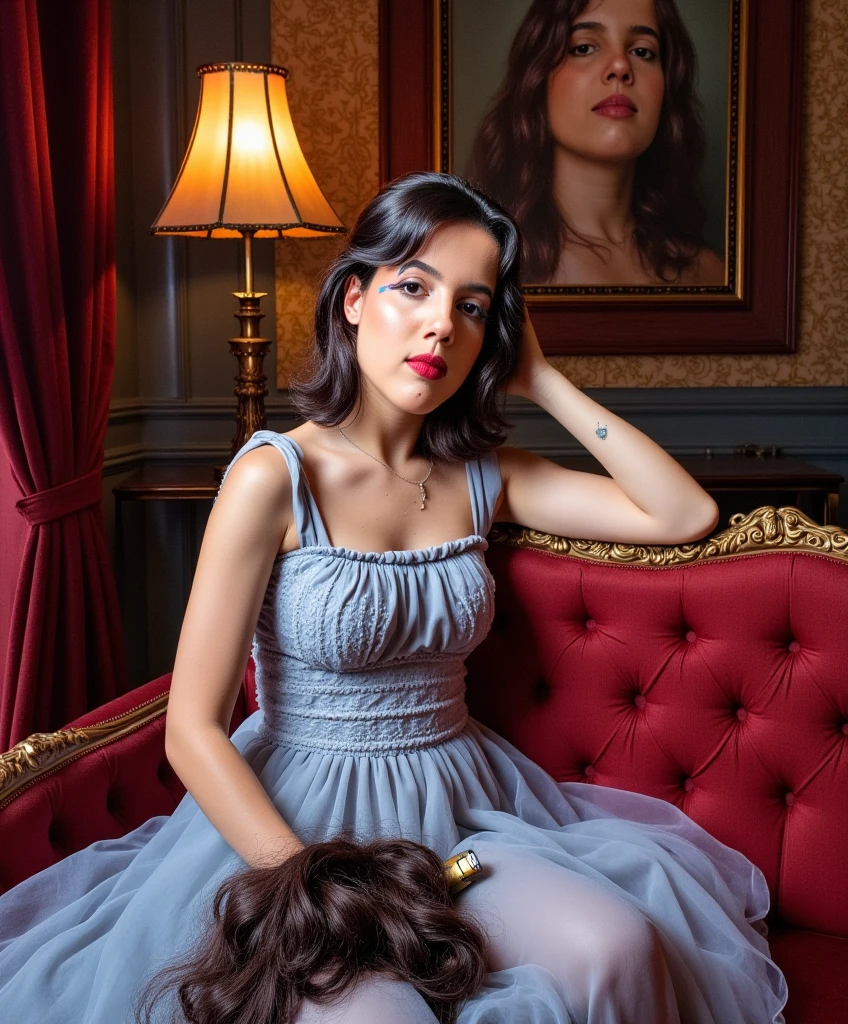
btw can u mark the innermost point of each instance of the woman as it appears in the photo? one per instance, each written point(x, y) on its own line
point(353, 566)
point(594, 143)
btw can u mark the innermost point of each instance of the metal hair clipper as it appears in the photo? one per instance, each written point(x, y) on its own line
point(461, 870)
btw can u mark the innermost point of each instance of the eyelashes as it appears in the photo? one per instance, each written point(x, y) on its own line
point(644, 53)
point(479, 313)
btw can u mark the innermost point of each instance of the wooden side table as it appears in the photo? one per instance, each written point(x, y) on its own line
point(161, 483)
point(718, 474)
point(725, 474)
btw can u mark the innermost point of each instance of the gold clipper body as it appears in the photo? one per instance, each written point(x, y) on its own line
point(461, 870)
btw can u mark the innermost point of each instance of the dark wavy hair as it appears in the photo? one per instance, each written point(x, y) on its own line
point(312, 926)
point(391, 228)
point(512, 153)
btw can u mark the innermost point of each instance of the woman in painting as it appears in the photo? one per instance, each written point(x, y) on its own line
point(594, 142)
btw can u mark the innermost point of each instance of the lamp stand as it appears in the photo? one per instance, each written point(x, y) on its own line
point(250, 350)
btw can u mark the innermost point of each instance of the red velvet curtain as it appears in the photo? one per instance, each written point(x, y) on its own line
point(65, 651)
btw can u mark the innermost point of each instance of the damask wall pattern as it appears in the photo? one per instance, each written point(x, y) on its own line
point(331, 53)
point(333, 95)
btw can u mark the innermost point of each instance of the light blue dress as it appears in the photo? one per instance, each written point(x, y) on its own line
point(363, 724)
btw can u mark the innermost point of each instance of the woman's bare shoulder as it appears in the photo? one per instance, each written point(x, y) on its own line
point(262, 472)
point(256, 497)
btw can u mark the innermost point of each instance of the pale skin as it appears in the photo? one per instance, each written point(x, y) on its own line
point(648, 498)
point(614, 48)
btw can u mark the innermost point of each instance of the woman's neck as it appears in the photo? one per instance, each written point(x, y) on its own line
point(594, 196)
point(383, 431)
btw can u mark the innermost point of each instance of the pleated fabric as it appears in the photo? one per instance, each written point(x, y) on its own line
point(601, 905)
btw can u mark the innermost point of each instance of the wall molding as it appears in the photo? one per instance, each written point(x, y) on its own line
point(124, 410)
point(776, 401)
point(807, 423)
point(732, 400)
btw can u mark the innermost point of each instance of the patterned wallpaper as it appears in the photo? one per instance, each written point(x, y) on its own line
point(332, 92)
point(333, 96)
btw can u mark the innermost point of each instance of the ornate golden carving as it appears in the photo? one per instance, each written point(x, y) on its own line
point(765, 529)
point(44, 752)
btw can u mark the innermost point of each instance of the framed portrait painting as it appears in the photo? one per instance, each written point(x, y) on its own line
point(648, 149)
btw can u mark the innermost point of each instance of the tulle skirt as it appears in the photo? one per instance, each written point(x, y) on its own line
point(79, 938)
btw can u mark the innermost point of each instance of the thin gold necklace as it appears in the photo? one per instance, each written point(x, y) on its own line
point(418, 483)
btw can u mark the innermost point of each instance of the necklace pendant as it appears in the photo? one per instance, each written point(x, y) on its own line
point(423, 495)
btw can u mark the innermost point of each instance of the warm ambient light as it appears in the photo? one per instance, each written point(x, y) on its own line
point(244, 175)
point(244, 169)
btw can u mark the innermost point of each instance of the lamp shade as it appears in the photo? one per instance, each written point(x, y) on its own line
point(244, 169)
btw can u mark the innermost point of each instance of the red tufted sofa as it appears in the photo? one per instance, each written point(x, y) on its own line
point(713, 675)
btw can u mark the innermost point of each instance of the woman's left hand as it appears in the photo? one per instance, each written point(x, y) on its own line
point(532, 365)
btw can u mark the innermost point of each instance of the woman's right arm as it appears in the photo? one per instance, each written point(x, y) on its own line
point(246, 526)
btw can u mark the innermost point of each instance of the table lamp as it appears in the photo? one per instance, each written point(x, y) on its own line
point(244, 175)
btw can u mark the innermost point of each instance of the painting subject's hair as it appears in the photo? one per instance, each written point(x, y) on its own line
point(314, 925)
point(512, 154)
point(391, 228)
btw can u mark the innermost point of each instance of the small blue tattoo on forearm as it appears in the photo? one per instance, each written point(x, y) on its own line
point(601, 431)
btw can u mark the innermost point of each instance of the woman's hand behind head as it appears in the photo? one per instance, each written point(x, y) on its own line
point(532, 366)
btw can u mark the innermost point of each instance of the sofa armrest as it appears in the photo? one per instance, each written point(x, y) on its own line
point(109, 763)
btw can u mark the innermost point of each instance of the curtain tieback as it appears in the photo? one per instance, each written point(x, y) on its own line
point(63, 500)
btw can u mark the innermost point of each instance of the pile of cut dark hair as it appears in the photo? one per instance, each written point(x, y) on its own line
point(316, 924)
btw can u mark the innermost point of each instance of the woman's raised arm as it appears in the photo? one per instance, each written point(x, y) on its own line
point(649, 498)
point(245, 529)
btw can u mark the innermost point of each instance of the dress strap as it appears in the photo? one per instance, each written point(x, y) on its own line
point(484, 483)
point(307, 518)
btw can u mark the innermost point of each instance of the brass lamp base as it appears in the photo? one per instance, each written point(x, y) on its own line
point(250, 390)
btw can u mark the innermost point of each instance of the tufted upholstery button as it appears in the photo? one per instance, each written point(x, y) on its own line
point(640, 700)
point(589, 771)
point(688, 785)
point(590, 623)
point(690, 636)
point(541, 689)
point(53, 833)
point(789, 799)
point(741, 714)
point(845, 729)
point(794, 646)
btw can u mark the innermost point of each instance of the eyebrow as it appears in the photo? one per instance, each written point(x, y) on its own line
point(636, 30)
point(472, 286)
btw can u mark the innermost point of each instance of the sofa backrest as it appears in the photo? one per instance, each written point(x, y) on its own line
point(719, 683)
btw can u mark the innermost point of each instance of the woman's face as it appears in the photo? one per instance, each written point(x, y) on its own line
point(605, 98)
point(433, 304)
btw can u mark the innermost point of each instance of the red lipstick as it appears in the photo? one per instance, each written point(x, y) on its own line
point(429, 366)
point(616, 105)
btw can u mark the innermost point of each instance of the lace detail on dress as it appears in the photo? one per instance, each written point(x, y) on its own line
point(386, 710)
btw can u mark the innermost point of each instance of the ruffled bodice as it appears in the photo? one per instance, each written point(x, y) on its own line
point(385, 672)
